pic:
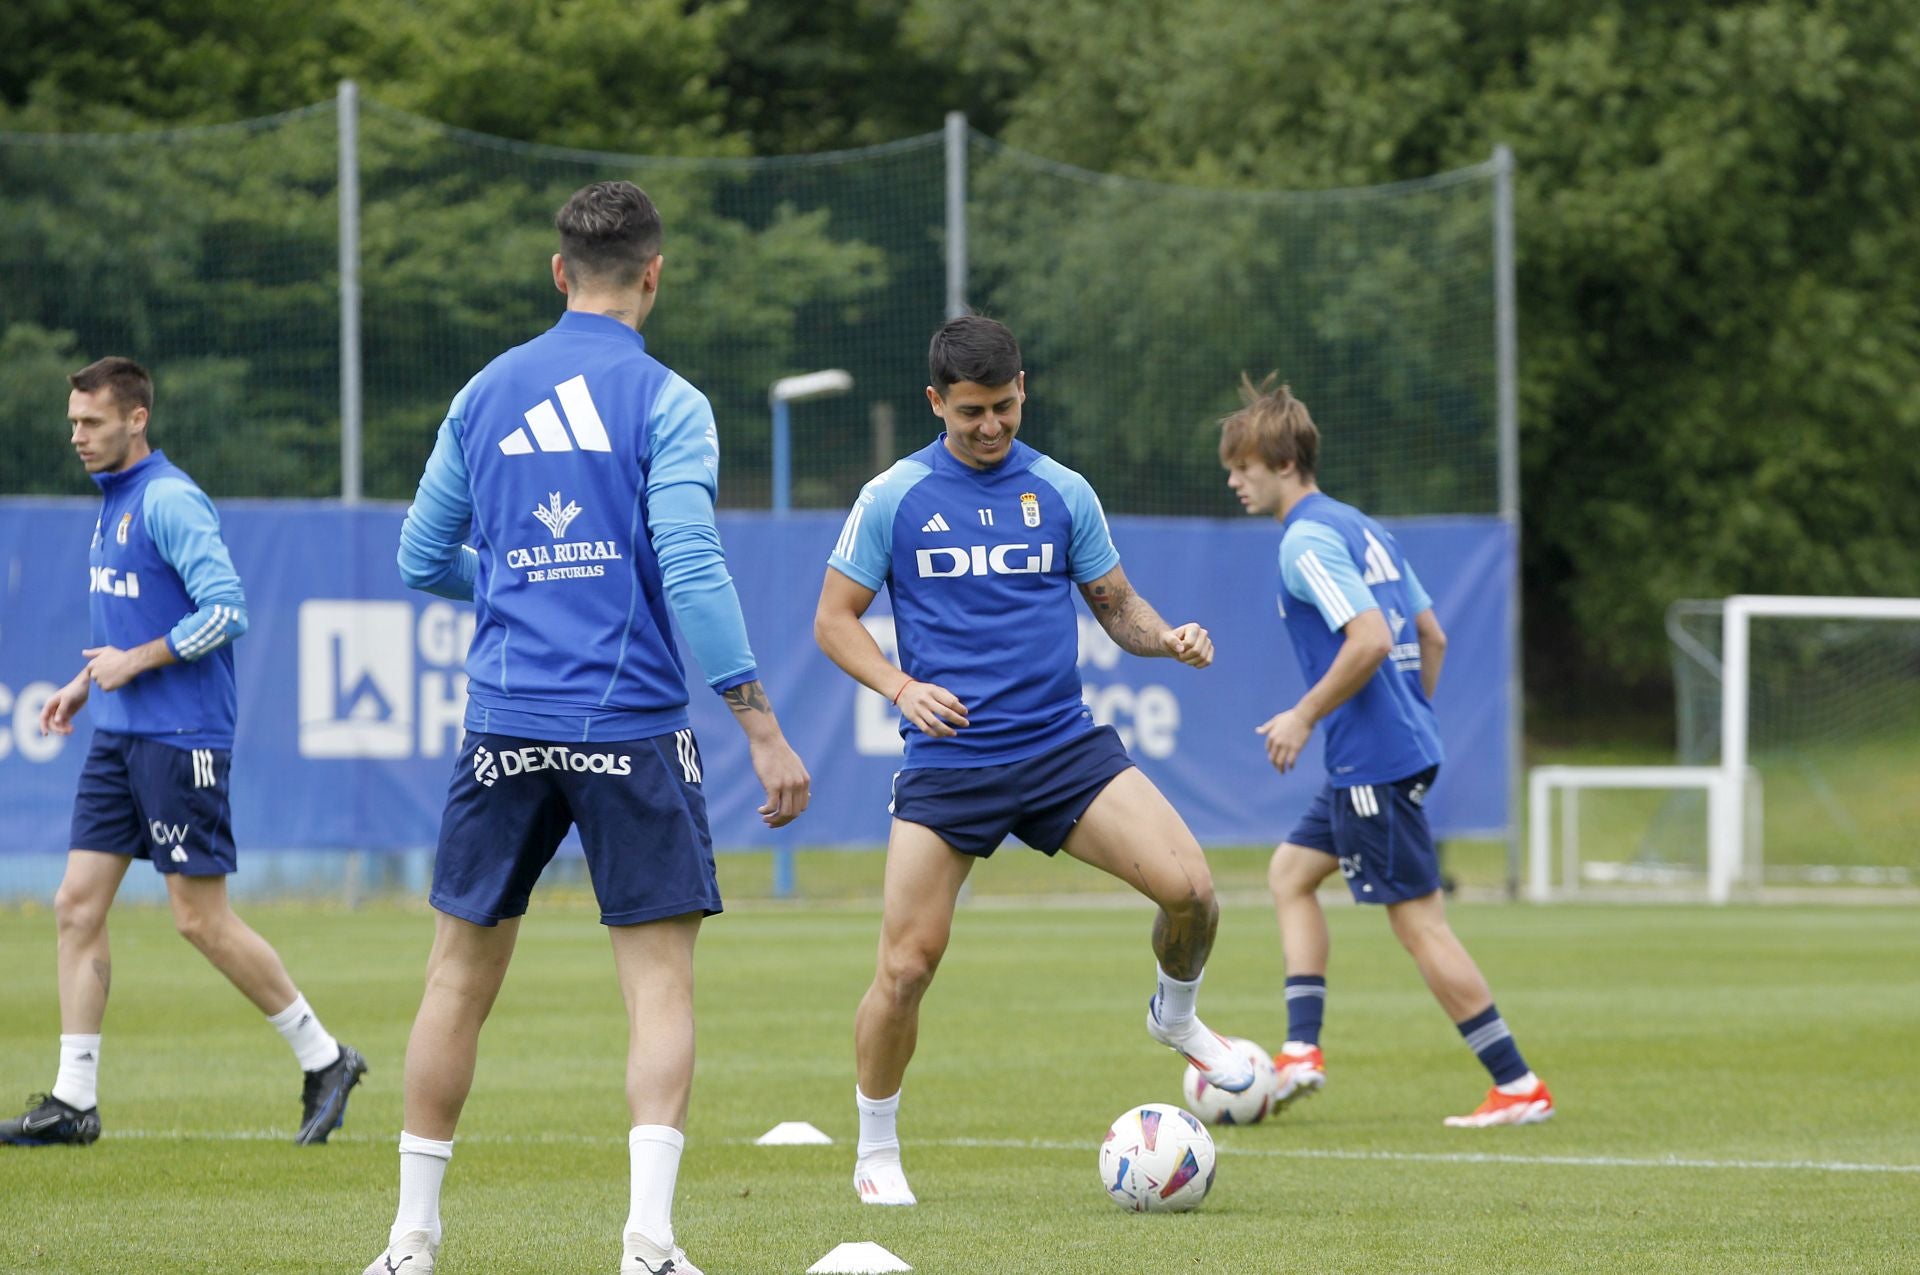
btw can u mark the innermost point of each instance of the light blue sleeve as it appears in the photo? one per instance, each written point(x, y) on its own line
point(682, 477)
point(184, 528)
point(434, 555)
point(864, 552)
point(1091, 553)
point(1416, 595)
point(1317, 569)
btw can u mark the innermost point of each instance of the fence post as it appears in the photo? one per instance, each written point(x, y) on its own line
point(348, 102)
point(956, 214)
point(1507, 419)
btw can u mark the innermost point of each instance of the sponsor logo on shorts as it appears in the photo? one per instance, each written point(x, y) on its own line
point(490, 767)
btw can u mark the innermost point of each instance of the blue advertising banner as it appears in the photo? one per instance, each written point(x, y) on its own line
point(351, 689)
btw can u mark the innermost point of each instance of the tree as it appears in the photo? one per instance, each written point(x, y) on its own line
point(1718, 287)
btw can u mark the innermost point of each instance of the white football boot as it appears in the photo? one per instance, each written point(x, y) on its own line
point(411, 1254)
point(1218, 1063)
point(879, 1179)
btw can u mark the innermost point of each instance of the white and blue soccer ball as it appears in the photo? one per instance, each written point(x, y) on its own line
point(1250, 1105)
point(1157, 1159)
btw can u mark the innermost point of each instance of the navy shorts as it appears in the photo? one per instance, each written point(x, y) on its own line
point(146, 799)
point(1037, 799)
point(1379, 833)
point(639, 805)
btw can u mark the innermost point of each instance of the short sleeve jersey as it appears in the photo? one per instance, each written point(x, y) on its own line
point(981, 565)
point(1336, 562)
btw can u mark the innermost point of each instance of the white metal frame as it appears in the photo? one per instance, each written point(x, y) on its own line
point(1542, 782)
point(1736, 675)
point(1732, 818)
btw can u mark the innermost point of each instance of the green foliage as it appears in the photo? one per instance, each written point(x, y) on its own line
point(1719, 269)
point(1719, 289)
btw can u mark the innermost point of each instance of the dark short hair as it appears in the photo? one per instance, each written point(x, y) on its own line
point(609, 231)
point(131, 385)
point(1272, 427)
point(972, 348)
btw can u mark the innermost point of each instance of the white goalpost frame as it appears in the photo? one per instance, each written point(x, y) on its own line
point(1733, 809)
point(1723, 854)
point(1543, 781)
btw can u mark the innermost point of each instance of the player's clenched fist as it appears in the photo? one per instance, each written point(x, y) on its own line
point(1190, 644)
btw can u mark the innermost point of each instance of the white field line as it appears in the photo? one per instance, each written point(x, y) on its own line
point(1026, 1144)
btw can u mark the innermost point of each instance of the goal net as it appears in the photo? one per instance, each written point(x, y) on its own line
point(1815, 703)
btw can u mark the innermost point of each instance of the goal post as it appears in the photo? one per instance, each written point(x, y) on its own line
point(1815, 702)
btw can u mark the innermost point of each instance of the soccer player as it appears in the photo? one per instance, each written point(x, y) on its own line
point(166, 607)
point(1347, 594)
point(978, 535)
point(584, 470)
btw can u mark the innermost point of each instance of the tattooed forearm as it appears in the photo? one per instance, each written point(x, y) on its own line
point(748, 697)
point(1128, 618)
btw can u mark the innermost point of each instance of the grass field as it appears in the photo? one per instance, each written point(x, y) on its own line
point(1736, 1092)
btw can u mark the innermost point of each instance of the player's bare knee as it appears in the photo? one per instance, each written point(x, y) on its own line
point(78, 914)
point(205, 928)
point(1197, 909)
point(906, 971)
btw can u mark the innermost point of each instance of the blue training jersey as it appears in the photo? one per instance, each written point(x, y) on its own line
point(1336, 562)
point(981, 565)
point(570, 495)
point(159, 567)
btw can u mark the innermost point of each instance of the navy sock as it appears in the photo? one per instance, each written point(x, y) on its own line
point(1306, 1006)
point(1486, 1034)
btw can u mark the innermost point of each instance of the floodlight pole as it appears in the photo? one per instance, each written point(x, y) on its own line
point(796, 389)
point(956, 214)
point(1506, 343)
point(347, 102)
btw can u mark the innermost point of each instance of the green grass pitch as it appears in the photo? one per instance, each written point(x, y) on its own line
point(1736, 1088)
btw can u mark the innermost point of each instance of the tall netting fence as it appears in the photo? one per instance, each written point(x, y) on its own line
point(213, 256)
point(1138, 306)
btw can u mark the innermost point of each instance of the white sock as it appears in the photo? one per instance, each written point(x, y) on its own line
point(423, 1166)
point(1175, 998)
point(654, 1152)
point(300, 1027)
point(78, 1082)
point(879, 1123)
point(1523, 1085)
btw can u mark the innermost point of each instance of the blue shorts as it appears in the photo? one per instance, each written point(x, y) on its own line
point(146, 799)
point(639, 805)
point(1379, 833)
point(1037, 799)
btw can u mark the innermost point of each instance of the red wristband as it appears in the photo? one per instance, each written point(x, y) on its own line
point(902, 691)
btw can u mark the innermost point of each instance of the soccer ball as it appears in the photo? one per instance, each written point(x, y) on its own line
point(1249, 1106)
point(1157, 1159)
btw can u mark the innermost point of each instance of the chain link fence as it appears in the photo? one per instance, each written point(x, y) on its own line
point(214, 256)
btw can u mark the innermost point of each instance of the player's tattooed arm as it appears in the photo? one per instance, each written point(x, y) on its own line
point(1135, 626)
point(748, 697)
point(1128, 618)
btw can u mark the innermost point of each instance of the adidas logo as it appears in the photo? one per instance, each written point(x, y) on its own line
point(936, 523)
point(550, 432)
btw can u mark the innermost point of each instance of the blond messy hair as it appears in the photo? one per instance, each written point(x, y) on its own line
point(1272, 427)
